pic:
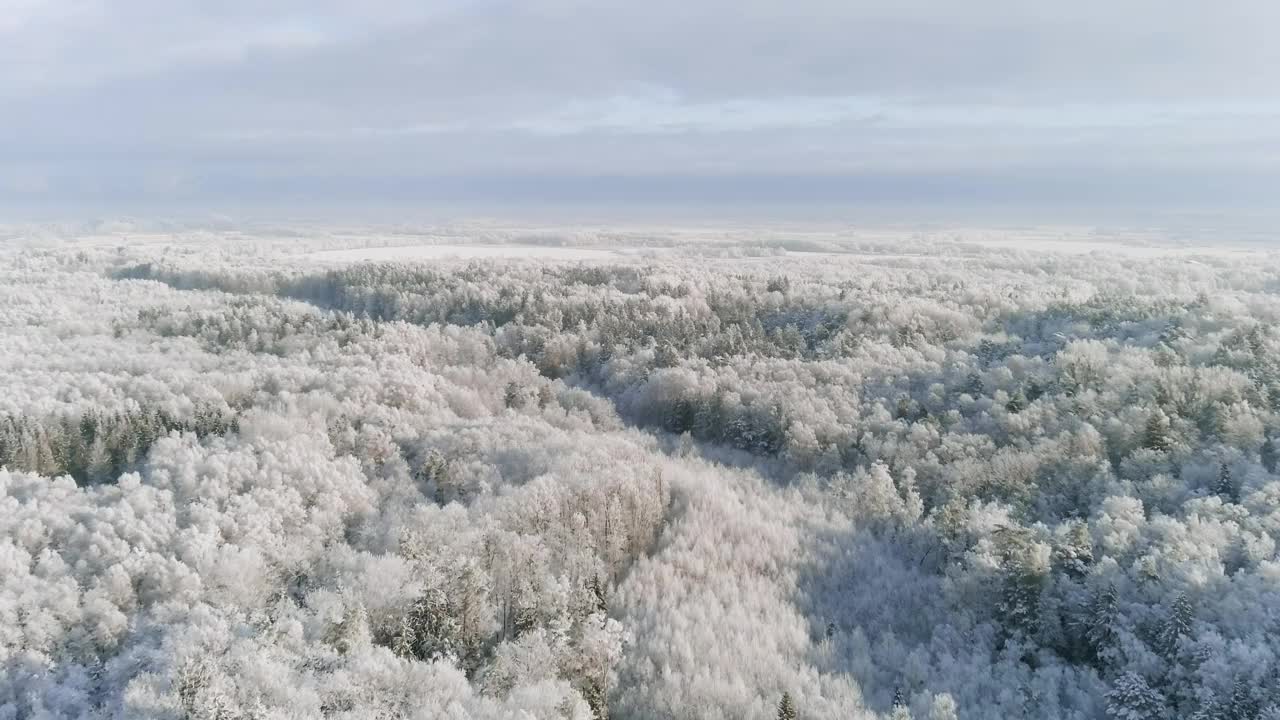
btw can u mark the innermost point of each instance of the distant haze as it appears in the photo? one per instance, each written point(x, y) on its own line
point(1148, 106)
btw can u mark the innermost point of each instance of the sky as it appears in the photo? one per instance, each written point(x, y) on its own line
point(1007, 103)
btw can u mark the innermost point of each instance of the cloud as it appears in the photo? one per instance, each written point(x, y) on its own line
point(115, 91)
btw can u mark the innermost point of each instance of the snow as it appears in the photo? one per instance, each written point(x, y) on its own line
point(1081, 247)
point(440, 252)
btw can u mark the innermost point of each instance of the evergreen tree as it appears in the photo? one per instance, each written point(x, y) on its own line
point(598, 594)
point(1017, 403)
point(352, 633)
point(973, 385)
point(986, 352)
point(899, 710)
point(708, 421)
point(1243, 705)
point(1034, 391)
point(1104, 614)
point(786, 708)
point(1209, 709)
point(97, 461)
point(1022, 584)
point(1158, 435)
point(680, 417)
point(431, 630)
point(1225, 486)
point(665, 355)
point(1176, 626)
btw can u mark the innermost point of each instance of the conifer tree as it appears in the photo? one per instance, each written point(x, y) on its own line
point(899, 709)
point(1177, 625)
point(1100, 624)
point(787, 708)
point(1158, 435)
point(1243, 705)
point(1225, 487)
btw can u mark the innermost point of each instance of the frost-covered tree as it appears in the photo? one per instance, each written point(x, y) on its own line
point(242, 483)
point(787, 708)
point(1100, 625)
point(1177, 625)
point(1157, 435)
point(1131, 698)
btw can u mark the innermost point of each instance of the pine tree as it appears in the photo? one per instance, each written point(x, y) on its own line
point(1022, 584)
point(986, 352)
point(98, 461)
point(899, 710)
point(1158, 435)
point(1209, 709)
point(1225, 487)
point(352, 633)
point(786, 708)
point(709, 416)
point(665, 356)
point(1017, 403)
point(1243, 705)
point(1104, 614)
point(973, 385)
point(1131, 698)
point(1034, 391)
point(1176, 626)
point(680, 416)
point(405, 641)
point(598, 595)
point(9, 443)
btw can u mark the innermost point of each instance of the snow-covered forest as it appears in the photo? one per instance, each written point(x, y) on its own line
point(633, 474)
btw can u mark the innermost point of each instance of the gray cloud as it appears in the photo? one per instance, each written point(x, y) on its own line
point(173, 99)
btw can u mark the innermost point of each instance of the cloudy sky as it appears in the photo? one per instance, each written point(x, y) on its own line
point(1032, 102)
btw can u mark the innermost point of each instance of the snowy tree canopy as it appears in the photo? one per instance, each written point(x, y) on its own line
point(246, 477)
